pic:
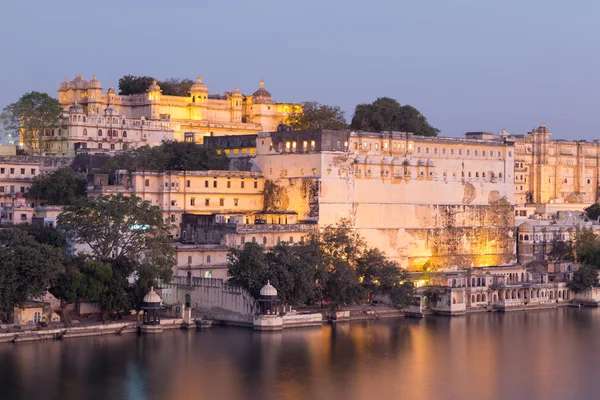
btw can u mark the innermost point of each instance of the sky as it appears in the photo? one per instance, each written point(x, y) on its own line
point(467, 65)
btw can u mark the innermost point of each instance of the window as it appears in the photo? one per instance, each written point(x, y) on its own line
point(99, 145)
point(37, 317)
point(427, 150)
point(468, 152)
point(214, 184)
point(207, 259)
point(418, 149)
point(1, 170)
point(221, 202)
point(265, 240)
point(510, 153)
point(256, 184)
point(12, 170)
point(193, 201)
point(302, 171)
point(312, 144)
point(172, 217)
point(189, 259)
point(228, 184)
point(235, 202)
point(85, 132)
point(460, 152)
point(243, 240)
point(207, 202)
point(253, 239)
point(242, 184)
point(208, 274)
point(205, 184)
point(124, 134)
point(112, 146)
point(22, 189)
point(476, 153)
point(451, 151)
point(147, 182)
point(22, 171)
point(291, 239)
point(188, 183)
point(33, 171)
point(99, 132)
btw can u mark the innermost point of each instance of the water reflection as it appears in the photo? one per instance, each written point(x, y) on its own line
point(537, 355)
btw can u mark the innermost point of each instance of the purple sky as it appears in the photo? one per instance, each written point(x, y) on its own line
point(467, 65)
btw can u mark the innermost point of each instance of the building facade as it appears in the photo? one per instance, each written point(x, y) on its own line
point(416, 198)
point(188, 118)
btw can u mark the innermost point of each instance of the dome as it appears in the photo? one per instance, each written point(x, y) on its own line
point(79, 83)
point(397, 161)
point(199, 86)
point(152, 297)
point(76, 109)
point(236, 93)
point(267, 290)
point(525, 227)
point(386, 160)
point(64, 85)
point(111, 90)
point(95, 83)
point(262, 96)
point(154, 87)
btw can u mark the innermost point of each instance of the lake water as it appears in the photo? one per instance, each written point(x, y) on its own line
point(552, 354)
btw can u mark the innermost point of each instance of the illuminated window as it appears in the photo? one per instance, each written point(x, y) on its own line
point(302, 171)
point(385, 145)
point(314, 171)
point(288, 145)
point(294, 146)
point(376, 146)
point(305, 144)
point(312, 144)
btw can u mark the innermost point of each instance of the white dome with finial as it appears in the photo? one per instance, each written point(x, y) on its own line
point(152, 297)
point(199, 86)
point(268, 290)
point(154, 87)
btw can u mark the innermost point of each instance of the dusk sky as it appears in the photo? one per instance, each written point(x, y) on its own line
point(467, 65)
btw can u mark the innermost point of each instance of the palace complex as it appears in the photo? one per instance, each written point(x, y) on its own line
point(97, 122)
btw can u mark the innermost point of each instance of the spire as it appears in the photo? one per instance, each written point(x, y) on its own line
point(262, 84)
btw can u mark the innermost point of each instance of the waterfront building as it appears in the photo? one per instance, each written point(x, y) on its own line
point(417, 198)
point(188, 118)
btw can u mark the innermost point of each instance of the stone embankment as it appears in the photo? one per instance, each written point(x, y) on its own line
point(83, 331)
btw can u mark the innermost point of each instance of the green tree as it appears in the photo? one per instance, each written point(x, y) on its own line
point(584, 278)
point(130, 84)
point(386, 114)
point(45, 235)
point(176, 87)
point(29, 118)
point(587, 248)
point(315, 116)
point(60, 187)
point(248, 267)
point(28, 268)
point(562, 251)
point(593, 211)
point(127, 233)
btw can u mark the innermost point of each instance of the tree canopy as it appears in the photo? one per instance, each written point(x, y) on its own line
point(313, 116)
point(28, 267)
point(60, 187)
point(171, 156)
point(593, 211)
point(584, 278)
point(386, 114)
point(335, 265)
point(130, 84)
point(29, 118)
point(128, 241)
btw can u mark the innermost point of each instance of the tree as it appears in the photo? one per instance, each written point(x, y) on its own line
point(28, 268)
point(587, 248)
point(60, 187)
point(386, 114)
point(593, 211)
point(130, 84)
point(176, 87)
point(584, 278)
point(28, 119)
point(248, 267)
point(44, 234)
point(562, 251)
point(130, 235)
point(314, 116)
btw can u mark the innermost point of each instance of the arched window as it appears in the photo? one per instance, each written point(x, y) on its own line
point(483, 297)
point(59, 132)
point(473, 282)
point(85, 132)
point(208, 259)
point(462, 174)
point(500, 175)
point(483, 174)
point(265, 240)
point(193, 99)
point(478, 298)
point(478, 281)
point(83, 119)
point(124, 134)
point(526, 237)
point(469, 174)
point(472, 298)
point(99, 132)
point(476, 174)
point(453, 282)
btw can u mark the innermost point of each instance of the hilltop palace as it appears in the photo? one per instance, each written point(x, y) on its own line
point(485, 208)
point(104, 123)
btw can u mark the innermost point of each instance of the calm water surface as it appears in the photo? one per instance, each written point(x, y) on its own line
point(553, 354)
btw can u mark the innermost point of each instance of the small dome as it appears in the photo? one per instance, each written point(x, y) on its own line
point(397, 161)
point(95, 83)
point(525, 227)
point(154, 87)
point(236, 93)
point(152, 297)
point(268, 290)
point(262, 96)
point(429, 163)
point(421, 162)
point(64, 85)
point(111, 90)
point(199, 86)
point(386, 160)
point(76, 109)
